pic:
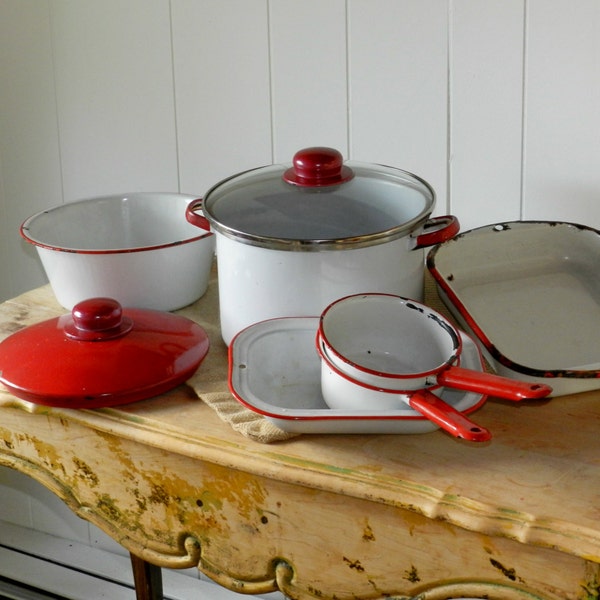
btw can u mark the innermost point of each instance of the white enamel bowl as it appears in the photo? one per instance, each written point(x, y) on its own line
point(136, 248)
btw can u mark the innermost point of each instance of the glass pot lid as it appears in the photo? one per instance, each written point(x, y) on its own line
point(318, 202)
point(101, 355)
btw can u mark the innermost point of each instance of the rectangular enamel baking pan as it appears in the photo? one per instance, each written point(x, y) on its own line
point(529, 293)
point(275, 370)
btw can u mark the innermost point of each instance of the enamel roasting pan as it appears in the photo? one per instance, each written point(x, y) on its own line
point(529, 293)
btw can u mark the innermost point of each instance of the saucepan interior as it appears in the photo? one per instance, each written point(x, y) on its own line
point(387, 340)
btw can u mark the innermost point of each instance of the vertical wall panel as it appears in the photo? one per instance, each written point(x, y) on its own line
point(115, 96)
point(486, 110)
point(6, 249)
point(222, 87)
point(309, 84)
point(29, 157)
point(562, 168)
point(398, 86)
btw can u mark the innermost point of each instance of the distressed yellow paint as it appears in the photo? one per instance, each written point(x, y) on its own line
point(241, 489)
point(85, 472)
point(209, 501)
point(368, 535)
point(47, 453)
point(7, 439)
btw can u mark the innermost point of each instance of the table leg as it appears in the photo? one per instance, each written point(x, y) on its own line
point(147, 579)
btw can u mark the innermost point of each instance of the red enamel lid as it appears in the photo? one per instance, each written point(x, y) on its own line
point(101, 355)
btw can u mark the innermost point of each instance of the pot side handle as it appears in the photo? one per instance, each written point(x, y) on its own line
point(440, 230)
point(194, 218)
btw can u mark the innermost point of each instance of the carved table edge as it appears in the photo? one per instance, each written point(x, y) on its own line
point(429, 502)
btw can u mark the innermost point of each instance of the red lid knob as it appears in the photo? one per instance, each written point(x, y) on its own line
point(318, 166)
point(97, 319)
point(97, 314)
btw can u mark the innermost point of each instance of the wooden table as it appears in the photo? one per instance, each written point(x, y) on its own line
point(324, 516)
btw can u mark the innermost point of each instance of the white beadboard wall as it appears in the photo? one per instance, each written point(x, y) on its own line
point(495, 102)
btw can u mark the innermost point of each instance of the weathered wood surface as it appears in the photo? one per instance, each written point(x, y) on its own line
point(326, 516)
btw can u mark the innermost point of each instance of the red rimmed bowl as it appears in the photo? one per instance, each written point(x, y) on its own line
point(136, 248)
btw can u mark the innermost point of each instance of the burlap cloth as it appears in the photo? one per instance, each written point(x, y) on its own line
point(210, 382)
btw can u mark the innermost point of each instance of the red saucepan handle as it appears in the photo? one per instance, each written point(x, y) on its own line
point(194, 218)
point(492, 385)
point(438, 230)
point(447, 417)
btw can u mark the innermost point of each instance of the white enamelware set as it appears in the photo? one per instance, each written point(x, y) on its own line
point(334, 252)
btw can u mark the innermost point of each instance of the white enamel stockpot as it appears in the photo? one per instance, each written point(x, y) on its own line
point(293, 238)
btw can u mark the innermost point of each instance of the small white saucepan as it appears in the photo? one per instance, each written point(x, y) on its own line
point(343, 392)
point(399, 344)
